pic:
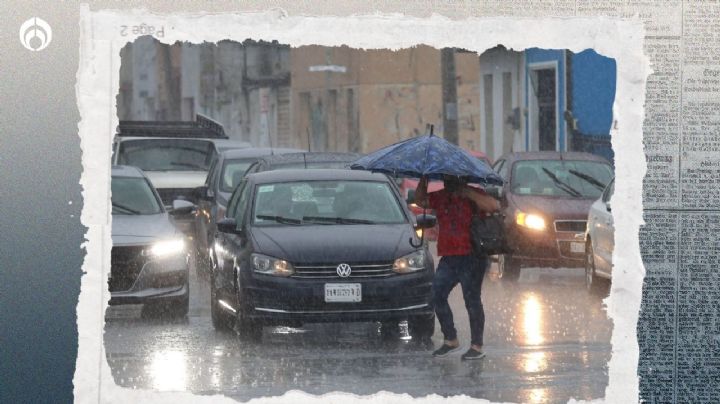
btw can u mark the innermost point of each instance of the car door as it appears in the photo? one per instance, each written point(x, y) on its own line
point(206, 204)
point(229, 246)
point(605, 232)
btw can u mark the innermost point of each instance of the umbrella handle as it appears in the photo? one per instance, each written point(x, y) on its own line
point(422, 241)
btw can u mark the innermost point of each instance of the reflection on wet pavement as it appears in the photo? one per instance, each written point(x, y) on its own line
point(546, 339)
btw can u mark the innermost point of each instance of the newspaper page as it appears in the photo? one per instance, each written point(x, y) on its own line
point(677, 330)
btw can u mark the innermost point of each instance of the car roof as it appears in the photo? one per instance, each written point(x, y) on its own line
point(127, 171)
point(321, 174)
point(222, 144)
point(289, 158)
point(229, 144)
point(256, 152)
point(553, 155)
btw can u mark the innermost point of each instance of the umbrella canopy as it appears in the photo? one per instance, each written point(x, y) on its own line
point(429, 156)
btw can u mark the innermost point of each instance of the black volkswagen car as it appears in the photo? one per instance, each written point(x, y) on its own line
point(326, 245)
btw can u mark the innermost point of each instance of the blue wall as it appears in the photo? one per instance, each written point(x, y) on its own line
point(536, 55)
point(593, 91)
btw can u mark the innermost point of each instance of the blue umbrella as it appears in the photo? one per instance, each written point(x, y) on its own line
point(429, 156)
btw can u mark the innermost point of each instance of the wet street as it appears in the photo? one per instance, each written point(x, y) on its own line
point(546, 338)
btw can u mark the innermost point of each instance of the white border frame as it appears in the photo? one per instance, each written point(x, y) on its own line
point(97, 85)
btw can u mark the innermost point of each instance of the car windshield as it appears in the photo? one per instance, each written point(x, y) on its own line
point(166, 154)
point(326, 203)
point(133, 196)
point(569, 178)
point(232, 173)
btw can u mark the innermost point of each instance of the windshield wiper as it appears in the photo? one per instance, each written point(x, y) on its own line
point(589, 178)
point(339, 220)
point(125, 208)
point(280, 219)
point(191, 165)
point(565, 187)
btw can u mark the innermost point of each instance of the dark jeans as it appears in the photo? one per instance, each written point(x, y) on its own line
point(469, 271)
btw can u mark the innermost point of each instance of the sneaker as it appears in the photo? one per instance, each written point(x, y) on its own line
point(444, 350)
point(472, 354)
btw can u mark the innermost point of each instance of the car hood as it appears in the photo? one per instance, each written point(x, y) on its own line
point(334, 243)
point(553, 207)
point(176, 179)
point(141, 229)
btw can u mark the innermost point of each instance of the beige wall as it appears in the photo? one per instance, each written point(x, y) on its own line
point(394, 96)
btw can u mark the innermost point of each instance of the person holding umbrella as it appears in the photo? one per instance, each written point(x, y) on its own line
point(454, 206)
point(432, 157)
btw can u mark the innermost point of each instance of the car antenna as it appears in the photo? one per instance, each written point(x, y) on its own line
point(305, 161)
point(307, 130)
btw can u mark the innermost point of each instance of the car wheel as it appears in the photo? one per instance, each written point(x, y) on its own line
point(508, 268)
point(593, 283)
point(422, 327)
point(221, 321)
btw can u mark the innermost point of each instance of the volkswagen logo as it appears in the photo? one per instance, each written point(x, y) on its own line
point(344, 270)
point(35, 34)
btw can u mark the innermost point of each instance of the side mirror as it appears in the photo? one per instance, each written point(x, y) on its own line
point(495, 191)
point(182, 207)
point(205, 193)
point(425, 221)
point(228, 225)
point(410, 196)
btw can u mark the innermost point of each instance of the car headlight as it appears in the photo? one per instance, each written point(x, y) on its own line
point(410, 263)
point(530, 221)
point(271, 266)
point(166, 248)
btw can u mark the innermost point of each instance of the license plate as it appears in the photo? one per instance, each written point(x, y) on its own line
point(343, 292)
point(577, 247)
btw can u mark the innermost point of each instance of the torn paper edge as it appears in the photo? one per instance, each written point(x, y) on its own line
point(97, 87)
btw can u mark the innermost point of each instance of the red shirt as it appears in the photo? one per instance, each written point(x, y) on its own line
point(454, 214)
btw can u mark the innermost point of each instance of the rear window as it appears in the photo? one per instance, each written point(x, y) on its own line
point(565, 178)
point(166, 154)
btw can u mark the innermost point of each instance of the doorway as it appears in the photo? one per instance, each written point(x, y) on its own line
point(543, 108)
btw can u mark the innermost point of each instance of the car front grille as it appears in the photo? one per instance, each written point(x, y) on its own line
point(575, 226)
point(360, 270)
point(168, 195)
point(125, 266)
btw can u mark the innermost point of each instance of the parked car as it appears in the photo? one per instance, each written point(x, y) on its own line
point(149, 260)
point(324, 245)
point(303, 160)
point(409, 185)
point(600, 241)
point(223, 176)
point(546, 199)
point(175, 156)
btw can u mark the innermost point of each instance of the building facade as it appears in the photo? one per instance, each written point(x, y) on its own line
point(541, 99)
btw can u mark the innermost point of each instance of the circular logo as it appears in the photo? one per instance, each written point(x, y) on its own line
point(35, 34)
point(344, 270)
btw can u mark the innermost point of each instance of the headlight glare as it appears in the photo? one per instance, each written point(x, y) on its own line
point(530, 221)
point(271, 266)
point(167, 247)
point(410, 263)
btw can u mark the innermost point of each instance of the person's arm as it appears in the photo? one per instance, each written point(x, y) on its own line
point(421, 198)
point(482, 200)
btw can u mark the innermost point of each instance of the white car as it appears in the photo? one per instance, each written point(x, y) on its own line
point(600, 241)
